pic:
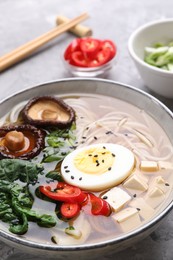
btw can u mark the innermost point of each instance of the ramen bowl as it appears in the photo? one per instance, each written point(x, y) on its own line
point(156, 79)
point(115, 93)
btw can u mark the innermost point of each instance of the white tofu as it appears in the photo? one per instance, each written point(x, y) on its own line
point(136, 182)
point(146, 211)
point(128, 219)
point(161, 184)
point(149, 166)
point(165, 165)
point(155, 197)
point(155, 192)
point(117, 198)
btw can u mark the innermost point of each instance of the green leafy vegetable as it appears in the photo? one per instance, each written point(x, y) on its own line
point(160, 56)
point(54, 175)
point(15, 208)
point(59, 144)
point(16, 169)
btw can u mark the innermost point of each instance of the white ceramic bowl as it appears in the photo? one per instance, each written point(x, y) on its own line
point(108, 247)
point(156, 79)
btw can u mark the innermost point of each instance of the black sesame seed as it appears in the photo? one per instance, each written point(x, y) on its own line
point(80, 178)
point(95, 137)
point(109, 168)
point(109, 132)
point(84, 137)
point(82, 142)
point(96, 155)
point(67, 171)
point(89, 154)
point(105, 197)
point(134, 195)
point(97, 164)
point(104, 153)
point(104, 147)
point(103, 161)
point(113, 154)
point(138, 209)
point(87, 128)
point(72, 177)
point(63, 153)
point(167, 184)
point(65, 167)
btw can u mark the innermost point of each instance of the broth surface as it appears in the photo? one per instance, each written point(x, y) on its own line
point(101, 119)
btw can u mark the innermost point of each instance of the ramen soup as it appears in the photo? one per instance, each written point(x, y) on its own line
point(104, 173)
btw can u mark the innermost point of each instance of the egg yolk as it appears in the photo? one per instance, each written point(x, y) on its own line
point(94, 160)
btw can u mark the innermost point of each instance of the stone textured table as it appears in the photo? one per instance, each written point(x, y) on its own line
point(23, 20)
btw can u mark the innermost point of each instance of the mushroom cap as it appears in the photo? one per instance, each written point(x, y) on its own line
point(48, 111)
point(35, 142)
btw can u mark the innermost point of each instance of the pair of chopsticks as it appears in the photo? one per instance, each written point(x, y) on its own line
point(27, 49)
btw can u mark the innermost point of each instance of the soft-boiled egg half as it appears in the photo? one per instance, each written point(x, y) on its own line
point(98, 167)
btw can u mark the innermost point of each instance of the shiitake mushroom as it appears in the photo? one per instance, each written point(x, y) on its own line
point(48, 111)
point(22, 141)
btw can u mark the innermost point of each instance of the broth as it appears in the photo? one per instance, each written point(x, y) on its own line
point(101, 119)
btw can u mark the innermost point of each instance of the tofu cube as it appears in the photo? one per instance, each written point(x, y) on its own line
point(117, 198)
point(161, 184)
point(149, 166)
point(165, 165)
point(136, 182)
point(128, 219)
point(155, 197)
point(145, 210)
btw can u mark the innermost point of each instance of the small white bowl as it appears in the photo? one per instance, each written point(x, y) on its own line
point(156, 79)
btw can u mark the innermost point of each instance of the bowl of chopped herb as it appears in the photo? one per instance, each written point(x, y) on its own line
point(151, 48)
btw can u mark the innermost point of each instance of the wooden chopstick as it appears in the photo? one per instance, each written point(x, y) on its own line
point(25, 50)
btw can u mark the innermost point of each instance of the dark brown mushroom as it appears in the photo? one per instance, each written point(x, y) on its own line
point(22, 142)
point(48, 111)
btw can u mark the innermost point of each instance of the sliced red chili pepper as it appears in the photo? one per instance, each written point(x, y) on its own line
point(78, 59)
point(70, 210)
point(99, 206)
point(101, 58)
point(107, 44)
point(63, 192)
point(73, 46)
point(89, 47)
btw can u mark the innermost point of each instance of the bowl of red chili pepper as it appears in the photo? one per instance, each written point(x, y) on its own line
point(89, 57)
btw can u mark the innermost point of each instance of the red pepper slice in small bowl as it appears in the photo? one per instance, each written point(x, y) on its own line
point(101, 58)
point(89, 47)
point(69, 210)
point(63, 192)
point(109, 45)
point(72, 47)
point(78, 59)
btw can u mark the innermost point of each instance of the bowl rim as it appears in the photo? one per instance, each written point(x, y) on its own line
point(70, 248)
point(163, 73)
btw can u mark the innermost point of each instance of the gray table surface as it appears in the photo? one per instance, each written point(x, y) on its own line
point(23, 20)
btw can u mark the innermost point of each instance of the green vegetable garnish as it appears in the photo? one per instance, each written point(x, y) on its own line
point(16, 169)
point(160, 55)
point(15, 208)
point(59, 144)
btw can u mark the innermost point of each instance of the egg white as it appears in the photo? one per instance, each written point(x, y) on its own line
point(120, 169)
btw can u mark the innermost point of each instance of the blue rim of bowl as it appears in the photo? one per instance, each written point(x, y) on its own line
point(113, 241)
point(133, 54)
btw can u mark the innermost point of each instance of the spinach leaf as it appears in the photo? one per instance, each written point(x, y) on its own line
point(59, 144)
point(15, 208)
point(54, 175)
point(16, 169)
